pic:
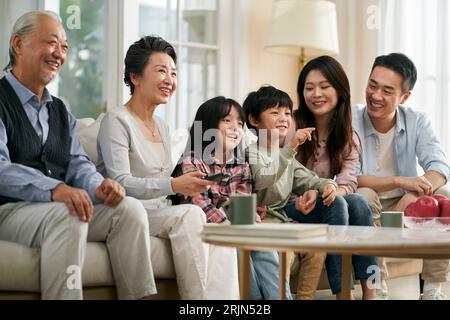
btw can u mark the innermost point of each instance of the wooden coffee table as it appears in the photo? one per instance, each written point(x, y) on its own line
point(346, 240)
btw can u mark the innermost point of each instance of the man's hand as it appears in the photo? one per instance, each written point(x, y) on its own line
point(110, 193)
point(329, 194)
point(191, 183)
point(306, 202)
point(300, 137)
point(421, 185)
point(77, 201)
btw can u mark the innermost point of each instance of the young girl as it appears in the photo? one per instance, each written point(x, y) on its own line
point(324, 96)
point(223, 119)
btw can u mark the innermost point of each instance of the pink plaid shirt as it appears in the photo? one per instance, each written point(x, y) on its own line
point(215, 201)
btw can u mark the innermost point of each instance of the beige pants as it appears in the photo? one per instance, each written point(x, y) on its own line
point(203, 271)
point(432, 270)
point(62, 240)
point(310, 267)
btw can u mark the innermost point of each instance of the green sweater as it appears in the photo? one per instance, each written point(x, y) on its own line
point(276, 174)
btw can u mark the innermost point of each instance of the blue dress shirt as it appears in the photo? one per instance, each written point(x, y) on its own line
point(415, 141)
point(28, 184)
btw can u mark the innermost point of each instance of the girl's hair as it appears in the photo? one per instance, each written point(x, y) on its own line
point(266, 97)
point(340, 141)
point(208, 116)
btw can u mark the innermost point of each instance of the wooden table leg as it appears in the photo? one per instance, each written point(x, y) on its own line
point(345, 276)
point(282, 281)
point(244, 274)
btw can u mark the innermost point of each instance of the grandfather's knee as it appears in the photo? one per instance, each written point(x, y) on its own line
point(59, 215)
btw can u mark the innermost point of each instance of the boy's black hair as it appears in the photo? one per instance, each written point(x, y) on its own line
point(266, 97)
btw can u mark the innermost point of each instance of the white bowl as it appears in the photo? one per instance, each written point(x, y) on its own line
point(437, 223)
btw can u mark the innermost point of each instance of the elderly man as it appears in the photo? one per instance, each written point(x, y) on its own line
point(51, 196)
point(393, 139)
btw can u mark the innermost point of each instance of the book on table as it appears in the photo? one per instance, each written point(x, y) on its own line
point(279, 230)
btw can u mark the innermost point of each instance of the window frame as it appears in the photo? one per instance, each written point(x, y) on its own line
point(124, 31)
point(223, 49)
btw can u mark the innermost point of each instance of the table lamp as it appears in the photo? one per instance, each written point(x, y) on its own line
point(304, 28)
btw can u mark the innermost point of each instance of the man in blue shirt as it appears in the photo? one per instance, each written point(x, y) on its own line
point(51, 196)
point(394, 139)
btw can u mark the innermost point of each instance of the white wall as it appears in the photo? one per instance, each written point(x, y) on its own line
point(253, 66)
point(358, 42)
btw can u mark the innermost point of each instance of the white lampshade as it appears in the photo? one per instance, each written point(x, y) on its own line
point(310, 25)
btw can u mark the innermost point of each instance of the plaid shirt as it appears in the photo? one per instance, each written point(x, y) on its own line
point(215, 201)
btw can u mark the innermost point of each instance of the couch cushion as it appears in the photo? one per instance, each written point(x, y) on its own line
point(87, 130)
point(19, 265)
point(97, 270)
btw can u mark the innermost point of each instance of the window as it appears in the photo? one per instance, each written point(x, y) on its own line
point(80, 82)
point(191, 27)
point(100, 32)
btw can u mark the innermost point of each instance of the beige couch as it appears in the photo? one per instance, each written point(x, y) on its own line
point(19, 265)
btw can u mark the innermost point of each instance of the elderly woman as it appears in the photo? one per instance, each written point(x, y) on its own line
point(134, 148)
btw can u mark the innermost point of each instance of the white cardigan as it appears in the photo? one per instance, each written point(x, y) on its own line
point(126, 156)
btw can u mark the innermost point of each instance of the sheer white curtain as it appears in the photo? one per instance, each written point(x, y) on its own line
point(421, 30)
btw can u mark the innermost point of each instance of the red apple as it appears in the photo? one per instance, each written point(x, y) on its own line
point(444, 205)
point(425, 207)
point(439, 197)
point(410, 210)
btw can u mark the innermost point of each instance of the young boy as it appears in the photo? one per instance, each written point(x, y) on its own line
point(277, 175)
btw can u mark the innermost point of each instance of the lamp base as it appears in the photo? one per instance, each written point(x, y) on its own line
point(302, 60)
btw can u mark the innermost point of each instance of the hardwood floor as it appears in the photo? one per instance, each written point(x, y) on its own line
point(406, 288)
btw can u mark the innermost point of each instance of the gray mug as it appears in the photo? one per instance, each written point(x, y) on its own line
point(242, 208)
point(393, 219)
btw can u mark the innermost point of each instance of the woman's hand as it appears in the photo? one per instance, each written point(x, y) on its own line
point(191, 183)
point(329, 194)
point(306, 202)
